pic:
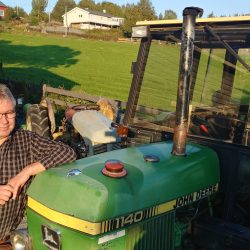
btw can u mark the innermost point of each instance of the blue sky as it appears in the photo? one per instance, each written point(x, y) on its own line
point(219, 7)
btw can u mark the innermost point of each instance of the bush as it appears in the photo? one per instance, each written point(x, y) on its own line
point(97, 34)
point(112, 34)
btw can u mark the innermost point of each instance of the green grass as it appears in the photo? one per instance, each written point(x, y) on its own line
point(102, 68)
point(160, 81)
point(96, 67)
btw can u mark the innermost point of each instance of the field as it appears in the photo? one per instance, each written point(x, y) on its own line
point(96, 67)
point(103, 68)
point(161, 77)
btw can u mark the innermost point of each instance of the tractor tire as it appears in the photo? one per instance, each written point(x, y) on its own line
point(37, 120)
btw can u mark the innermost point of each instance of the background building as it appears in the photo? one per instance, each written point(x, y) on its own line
point(89, 19)
point(3, 7)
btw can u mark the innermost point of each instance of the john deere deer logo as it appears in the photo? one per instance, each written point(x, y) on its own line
point(50, 238)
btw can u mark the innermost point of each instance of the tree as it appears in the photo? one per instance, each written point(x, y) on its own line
point(87, 4)
point(60, 7)
point(169, 14)
point(160, 17)
point(38, 10)
point(132, 15)
point(15, 13)
point(211, 15)
point(147, 11)
point(110, 8)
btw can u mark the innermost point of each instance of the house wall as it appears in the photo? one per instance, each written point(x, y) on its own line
point(103, 20)
point(87, 26)
point(86, 20)
point(2, 11)
point(75, 16)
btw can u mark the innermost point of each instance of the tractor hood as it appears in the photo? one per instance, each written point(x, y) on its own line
point(163, 185)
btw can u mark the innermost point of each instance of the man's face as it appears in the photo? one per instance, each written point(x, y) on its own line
point(6, 124)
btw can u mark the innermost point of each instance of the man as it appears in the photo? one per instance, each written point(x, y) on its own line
point(23, 154)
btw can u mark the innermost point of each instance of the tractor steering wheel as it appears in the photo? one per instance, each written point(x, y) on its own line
point(90, 106)
point(69, 112)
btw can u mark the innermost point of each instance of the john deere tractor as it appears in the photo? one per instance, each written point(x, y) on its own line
point(181, 178)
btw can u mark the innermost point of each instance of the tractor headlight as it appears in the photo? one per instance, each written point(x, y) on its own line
point(140, 31)
point(20, 240)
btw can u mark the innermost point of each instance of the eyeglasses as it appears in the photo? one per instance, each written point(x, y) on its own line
point(9, 115)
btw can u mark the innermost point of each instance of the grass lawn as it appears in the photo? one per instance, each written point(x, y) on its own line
point(96, 67)
point(161, 77)
point(103, 68)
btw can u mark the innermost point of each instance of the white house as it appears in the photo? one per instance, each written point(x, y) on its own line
point(89, 19)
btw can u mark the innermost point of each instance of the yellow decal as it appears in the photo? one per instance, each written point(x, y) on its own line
point(63, 219)
point(198, 195)
point(95, 228)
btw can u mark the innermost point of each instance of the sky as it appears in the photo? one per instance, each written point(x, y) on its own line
point(218, 7)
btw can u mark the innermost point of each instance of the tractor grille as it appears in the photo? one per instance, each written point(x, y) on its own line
point(101, 148)
point(140, 139)
point(155, 234)
point(115, 146)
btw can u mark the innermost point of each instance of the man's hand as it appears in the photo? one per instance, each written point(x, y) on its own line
point(20, 179)
point(6, 192)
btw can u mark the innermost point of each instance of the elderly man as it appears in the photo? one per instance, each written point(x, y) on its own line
point(23, 154)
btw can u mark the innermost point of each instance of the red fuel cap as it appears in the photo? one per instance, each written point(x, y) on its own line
point(114, 168)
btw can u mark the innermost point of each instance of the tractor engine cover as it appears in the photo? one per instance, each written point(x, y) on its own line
point(78, 206)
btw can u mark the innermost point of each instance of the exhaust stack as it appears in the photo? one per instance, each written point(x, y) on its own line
point(186, 59)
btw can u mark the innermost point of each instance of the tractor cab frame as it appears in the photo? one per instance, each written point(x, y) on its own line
point(229, 37)
point(212, 108)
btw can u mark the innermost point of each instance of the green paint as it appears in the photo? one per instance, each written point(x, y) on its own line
point(180, 229)
point(70, 239)
point(94, 197)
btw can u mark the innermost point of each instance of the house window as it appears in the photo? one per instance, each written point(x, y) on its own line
point(1, 13)
point(80, 15)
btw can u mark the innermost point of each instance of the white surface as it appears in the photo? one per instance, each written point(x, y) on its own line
point(94, 126)
point(111, 237)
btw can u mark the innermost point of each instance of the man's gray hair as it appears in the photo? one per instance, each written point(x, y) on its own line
point(5, 93)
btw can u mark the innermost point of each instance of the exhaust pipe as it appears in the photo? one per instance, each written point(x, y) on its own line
point(186, 59)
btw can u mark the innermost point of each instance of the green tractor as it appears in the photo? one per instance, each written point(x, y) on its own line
point(181, 178)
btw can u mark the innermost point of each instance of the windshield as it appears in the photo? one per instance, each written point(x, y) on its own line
point(219, 92)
